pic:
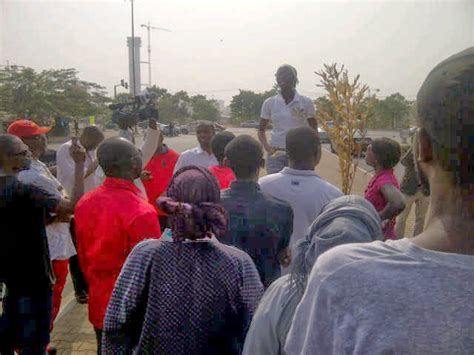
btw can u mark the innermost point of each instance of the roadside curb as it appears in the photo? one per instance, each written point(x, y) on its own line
point(358, 167)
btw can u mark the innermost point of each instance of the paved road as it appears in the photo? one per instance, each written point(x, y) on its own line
point(399, 170)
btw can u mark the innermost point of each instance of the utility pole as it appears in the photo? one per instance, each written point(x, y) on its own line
point(149, 27)
point(133, 53)
point(122, 84)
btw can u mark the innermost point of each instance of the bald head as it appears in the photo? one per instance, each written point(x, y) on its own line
point(7, 143)
point(445, 105)
point(91, 137)
point(14, 154)
point(119, 158)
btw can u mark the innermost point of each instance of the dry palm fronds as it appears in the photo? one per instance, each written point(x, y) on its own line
point(352, 109)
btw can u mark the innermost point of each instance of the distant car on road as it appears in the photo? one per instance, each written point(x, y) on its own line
point(183, 129)
point(361, 139)
point(111, 125)
point(254, 124)
point(250, 124)
point(323, 135)
point(191, 127)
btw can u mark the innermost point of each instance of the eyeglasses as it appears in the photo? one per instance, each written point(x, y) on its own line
point(36, 138)
point(20, 153)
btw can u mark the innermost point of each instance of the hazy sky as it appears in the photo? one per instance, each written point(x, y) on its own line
point(217, 47)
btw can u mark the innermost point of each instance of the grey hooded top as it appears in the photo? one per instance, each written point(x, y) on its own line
point(347, 219)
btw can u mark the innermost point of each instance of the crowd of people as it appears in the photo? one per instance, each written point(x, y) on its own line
point(199, 253)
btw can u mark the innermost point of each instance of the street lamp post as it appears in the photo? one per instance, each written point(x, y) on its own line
point(133, 53)
point(122, 84)
point(149, 28)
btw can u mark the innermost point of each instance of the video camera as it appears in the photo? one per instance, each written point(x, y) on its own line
point(140, 109)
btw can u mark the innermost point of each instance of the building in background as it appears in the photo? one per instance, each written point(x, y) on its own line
point(135, 86)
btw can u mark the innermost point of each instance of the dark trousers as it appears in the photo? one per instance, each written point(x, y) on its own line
point(80, 285)
point(98, 336)
point(24, 325)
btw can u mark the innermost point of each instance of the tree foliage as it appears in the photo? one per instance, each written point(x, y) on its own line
point(345, 111)
point(37, 95)
point(204, 109)
point(392, 112)
point(172, 107)
point(179, 107)
point(246, 105)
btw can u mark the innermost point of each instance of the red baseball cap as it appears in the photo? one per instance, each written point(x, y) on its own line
point(26, 128)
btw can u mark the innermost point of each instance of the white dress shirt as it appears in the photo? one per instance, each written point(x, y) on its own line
point(196, 156)
point(59, 237)
point(286, 116)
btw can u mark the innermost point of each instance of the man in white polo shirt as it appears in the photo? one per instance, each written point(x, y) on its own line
point(286, 110)
point(200, 156)
point(298, 184)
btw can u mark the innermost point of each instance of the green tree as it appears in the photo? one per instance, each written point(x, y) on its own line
point(173, 108)
point(159, 92)
point(327, 105)
point(204, 109)
point(392, 112)
point(246, 105)
point(27, 93)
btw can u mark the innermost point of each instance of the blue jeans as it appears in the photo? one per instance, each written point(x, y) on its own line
point(276, 163)
point(25, 323)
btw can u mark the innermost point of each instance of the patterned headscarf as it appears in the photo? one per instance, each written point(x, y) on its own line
point(192, 203)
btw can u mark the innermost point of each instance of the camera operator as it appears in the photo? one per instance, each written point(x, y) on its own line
point(128, 119)
point(126, 125)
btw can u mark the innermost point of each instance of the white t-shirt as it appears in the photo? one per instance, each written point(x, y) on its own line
point(196, 156)
point(386, 298)
point(66, 168)
point(285, 117)
point(58, 234)
point(304, 191)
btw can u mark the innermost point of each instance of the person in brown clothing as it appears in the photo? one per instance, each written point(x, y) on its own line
point(414, 193)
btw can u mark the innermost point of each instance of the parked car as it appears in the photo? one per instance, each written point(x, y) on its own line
point(111, 125)
point(168, 131)
point(323, 135)
point(250, 124)
point(183, 129)
point(254, 124)
point(191, 127)
point(361, 139)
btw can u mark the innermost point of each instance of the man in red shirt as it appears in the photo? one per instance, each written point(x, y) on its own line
point(223, 174)
point(110, 220)
point(160, 168)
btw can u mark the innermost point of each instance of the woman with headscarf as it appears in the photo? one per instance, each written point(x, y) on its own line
point(188, 294)
point(347, 219)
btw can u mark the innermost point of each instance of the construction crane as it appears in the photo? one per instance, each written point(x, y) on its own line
point(149, 27)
